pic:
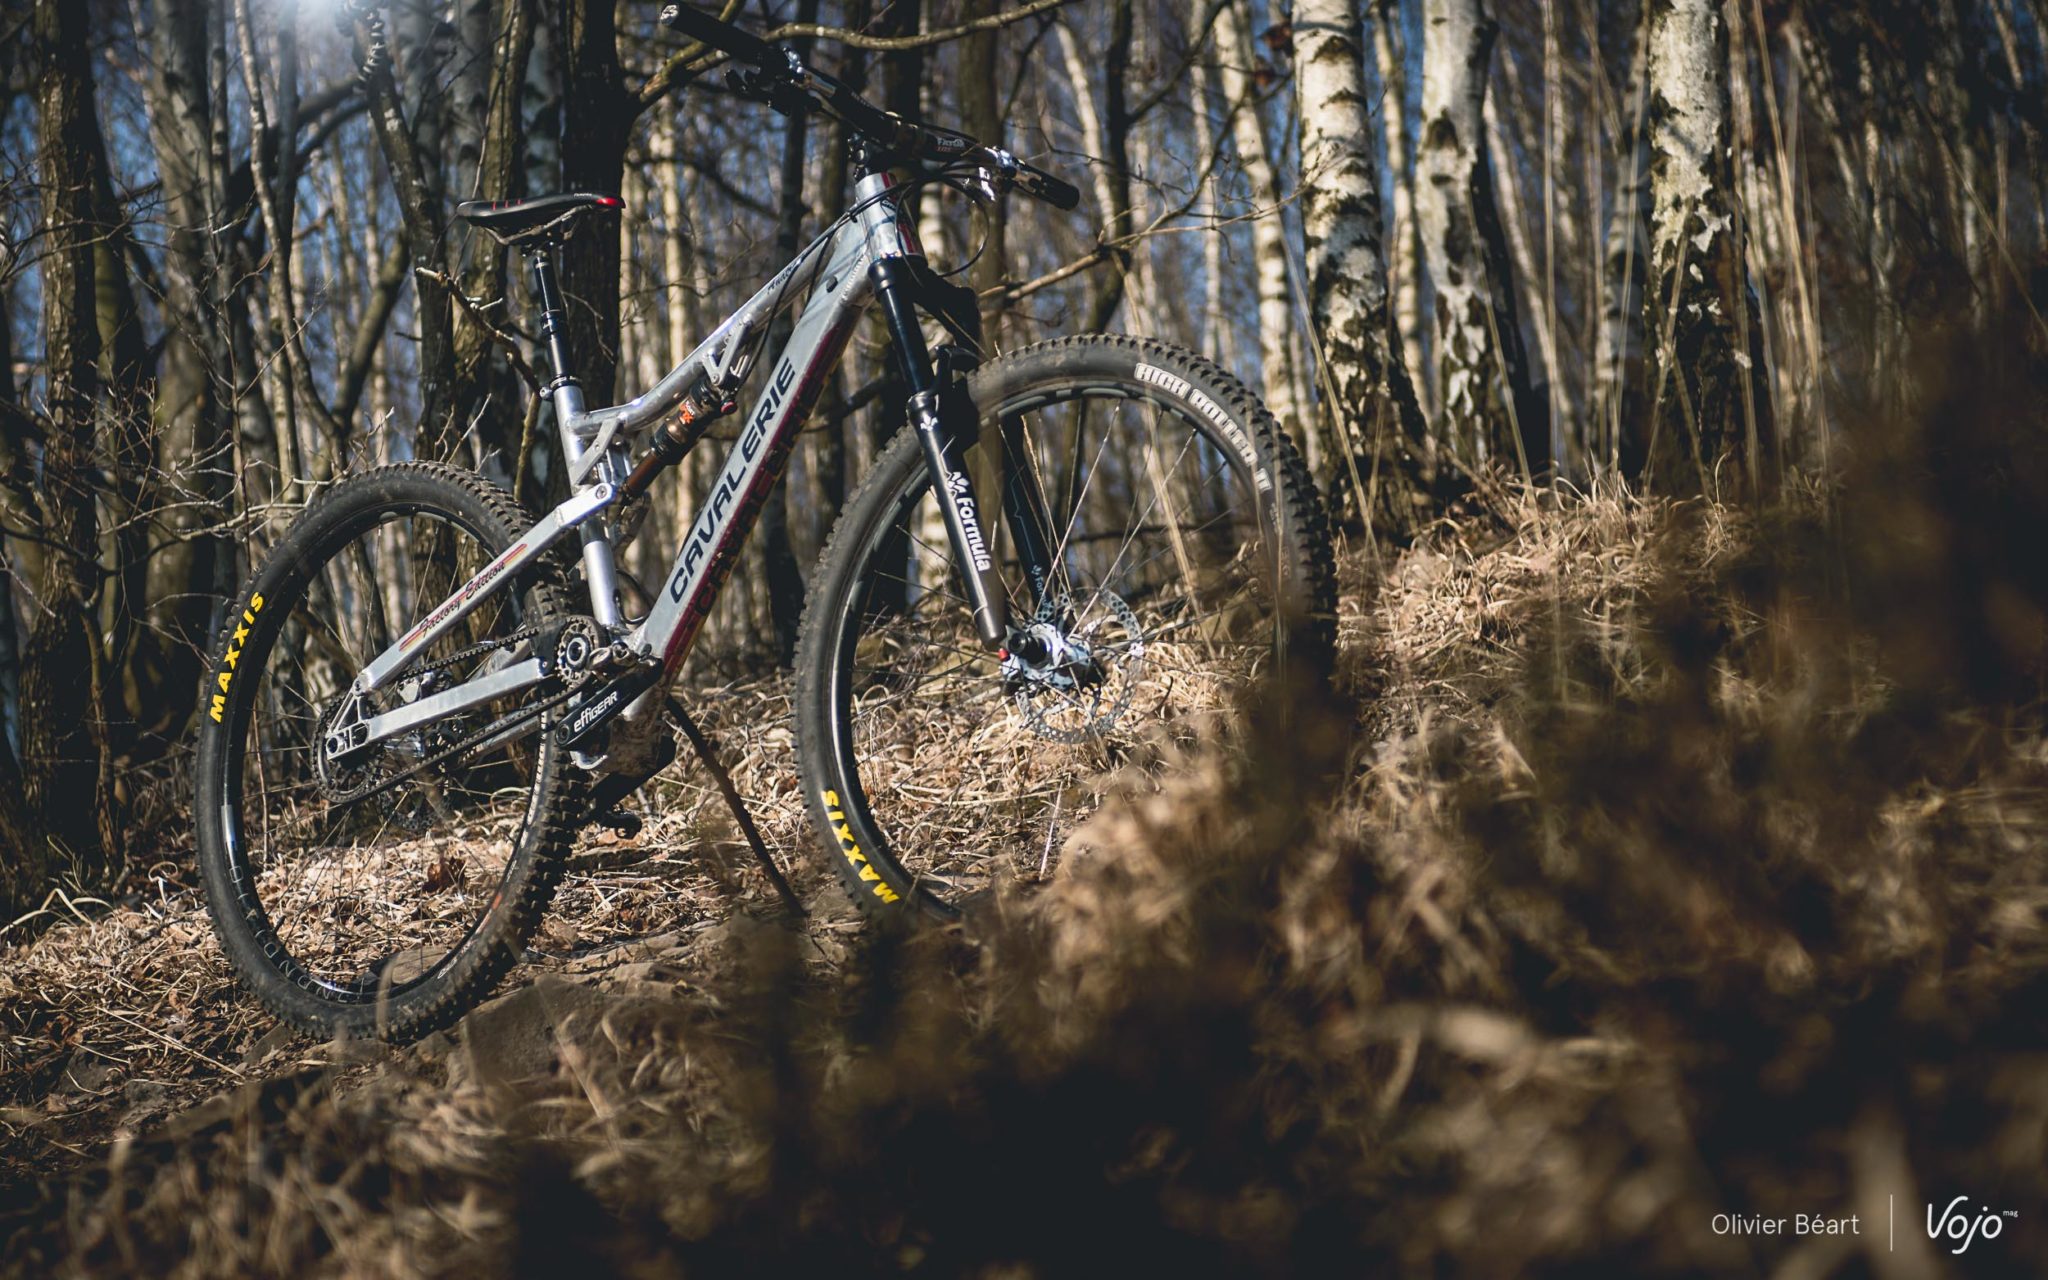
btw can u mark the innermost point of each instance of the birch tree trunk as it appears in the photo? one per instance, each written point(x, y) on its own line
point(597, 123)
point(1454, 199)
point(1373, 432)
point(1702, 410)
point(493, 163)
point(1216, 333)
point(194, 386)
point(782, 575)
point(1269, 243)
point(420, 209)
point(1404, 261)
point(1619, 385)
point(1116, 156)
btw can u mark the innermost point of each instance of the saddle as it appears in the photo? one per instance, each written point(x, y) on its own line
point(521, 222)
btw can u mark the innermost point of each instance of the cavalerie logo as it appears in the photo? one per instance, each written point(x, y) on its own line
point(235, 643)
point(706, 533)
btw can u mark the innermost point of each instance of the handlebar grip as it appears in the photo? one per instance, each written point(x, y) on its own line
point(1056, 192)
point(723, 36)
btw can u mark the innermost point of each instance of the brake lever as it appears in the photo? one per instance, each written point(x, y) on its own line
point(775, 92)
point(997, 175)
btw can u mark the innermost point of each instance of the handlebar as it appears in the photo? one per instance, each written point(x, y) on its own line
point(720, 35)
point(780, 71)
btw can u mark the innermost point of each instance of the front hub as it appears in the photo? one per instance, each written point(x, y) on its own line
point(1073, 667)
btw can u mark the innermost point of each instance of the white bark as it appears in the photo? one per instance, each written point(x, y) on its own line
point(1347, 272)
point(1269, 244)
point(675, 263)
point(1457, 43)
point(1698, 280)
point(1080, 84)
point(1404, 259)
point(1216, 334)
point(1618, 352)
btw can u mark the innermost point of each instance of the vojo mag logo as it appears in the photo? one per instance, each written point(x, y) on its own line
point(1962, 1226)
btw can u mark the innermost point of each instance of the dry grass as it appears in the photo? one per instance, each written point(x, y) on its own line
point(1663, 862)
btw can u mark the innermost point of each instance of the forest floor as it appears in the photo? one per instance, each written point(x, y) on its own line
point(1651, 862)
point(122, 1016)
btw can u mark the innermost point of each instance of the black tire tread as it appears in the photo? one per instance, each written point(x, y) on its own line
point(546, 852)
point(1304, 513)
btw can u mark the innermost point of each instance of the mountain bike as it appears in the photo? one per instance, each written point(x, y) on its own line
point(408, 718)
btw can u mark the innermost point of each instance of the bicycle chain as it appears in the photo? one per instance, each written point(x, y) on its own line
point(462, 655)
point(507, 721)
point(510, 720)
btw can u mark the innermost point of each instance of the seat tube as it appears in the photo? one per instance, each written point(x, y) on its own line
point(891, 245)
point(600, 571)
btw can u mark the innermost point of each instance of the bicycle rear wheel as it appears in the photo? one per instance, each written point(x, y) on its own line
point(350, 896)
point(1192, 557)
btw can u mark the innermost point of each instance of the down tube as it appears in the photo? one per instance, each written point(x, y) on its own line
point(754, 467)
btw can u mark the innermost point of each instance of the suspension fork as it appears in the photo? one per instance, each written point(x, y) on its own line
point(1025, 512)
point(945, 426)
point(948, 424)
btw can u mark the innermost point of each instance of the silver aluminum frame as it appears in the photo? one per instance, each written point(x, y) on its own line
point(594, 443)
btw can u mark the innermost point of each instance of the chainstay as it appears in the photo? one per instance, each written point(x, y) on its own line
point(510, 720)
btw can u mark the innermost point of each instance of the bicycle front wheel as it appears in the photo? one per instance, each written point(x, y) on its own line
point(1189, 556)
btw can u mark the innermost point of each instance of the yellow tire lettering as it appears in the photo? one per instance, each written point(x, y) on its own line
point(831, 799)
point(885, 893)
point(867, 872)
point(223, 682)
point(220, 706)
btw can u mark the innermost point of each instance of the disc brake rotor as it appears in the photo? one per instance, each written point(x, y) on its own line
point(1073, 671)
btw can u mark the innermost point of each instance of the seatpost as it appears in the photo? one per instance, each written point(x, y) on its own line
point(552, 316)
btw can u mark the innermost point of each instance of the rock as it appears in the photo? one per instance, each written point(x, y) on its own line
point(644, 973)
point(217, 1111)
point(268, 1043)
point(88, 1073)
point(515, 1036)
point(609, 857)
point(345, 1052)
point(653, 947)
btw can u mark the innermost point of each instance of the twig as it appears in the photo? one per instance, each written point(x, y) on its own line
point(236, 1072)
